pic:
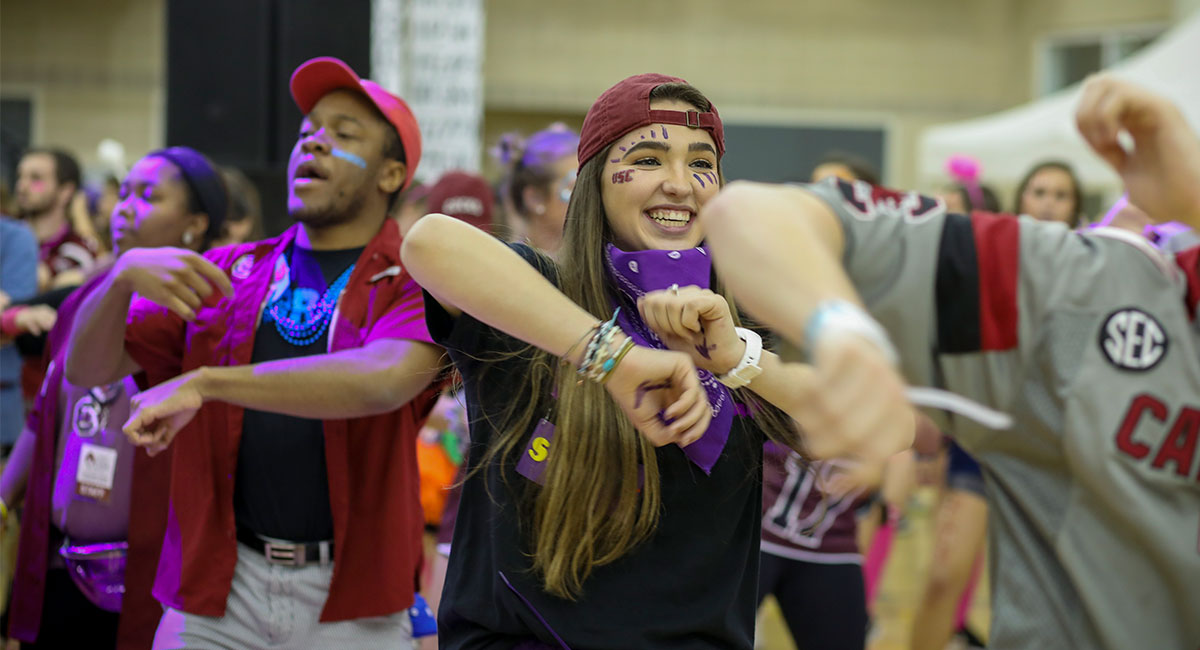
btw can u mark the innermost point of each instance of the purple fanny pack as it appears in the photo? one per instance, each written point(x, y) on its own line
point(98, 571)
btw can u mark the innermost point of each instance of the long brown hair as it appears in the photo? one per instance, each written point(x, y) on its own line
point(590, 511)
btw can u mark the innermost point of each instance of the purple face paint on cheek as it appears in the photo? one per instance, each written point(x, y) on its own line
point(712, 178)
point(701, 180)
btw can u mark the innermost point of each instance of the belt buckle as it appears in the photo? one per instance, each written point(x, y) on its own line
point(690, 115)
point(286, 554)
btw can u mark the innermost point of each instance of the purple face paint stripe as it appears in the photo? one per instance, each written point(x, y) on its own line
point(652, 134)
point(536, 613)
point(665, 133)
point(615, 160)
point(622, 148)
point(697, 177)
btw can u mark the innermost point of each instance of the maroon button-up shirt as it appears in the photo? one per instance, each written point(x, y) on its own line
point(371, 461)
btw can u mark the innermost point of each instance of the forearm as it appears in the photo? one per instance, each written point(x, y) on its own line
point(96, 353)
point(779, 249)
point(778, 382)
point(471, 271)
point(378, 378)
point(16, 468)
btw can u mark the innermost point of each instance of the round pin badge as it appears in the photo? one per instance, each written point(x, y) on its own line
point(241, 268)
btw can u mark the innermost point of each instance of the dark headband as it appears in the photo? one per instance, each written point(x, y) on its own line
point(203, 180)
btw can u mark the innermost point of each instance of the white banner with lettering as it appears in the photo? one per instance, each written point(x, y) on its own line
point(430, 52)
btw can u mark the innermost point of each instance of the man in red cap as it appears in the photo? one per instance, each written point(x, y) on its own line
point(297, 372)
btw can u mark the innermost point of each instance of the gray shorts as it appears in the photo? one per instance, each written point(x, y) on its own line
point(278, 607)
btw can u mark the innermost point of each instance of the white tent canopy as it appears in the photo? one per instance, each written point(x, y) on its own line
point(1008, 143)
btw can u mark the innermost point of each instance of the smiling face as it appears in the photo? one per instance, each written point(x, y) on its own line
point(655, 180)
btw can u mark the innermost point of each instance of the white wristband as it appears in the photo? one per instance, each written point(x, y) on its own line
point(842, 317)
point(746, 369)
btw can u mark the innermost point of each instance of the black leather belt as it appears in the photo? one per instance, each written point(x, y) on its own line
point(288, 553)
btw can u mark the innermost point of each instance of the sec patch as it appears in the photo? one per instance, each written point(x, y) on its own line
point(1132, 339)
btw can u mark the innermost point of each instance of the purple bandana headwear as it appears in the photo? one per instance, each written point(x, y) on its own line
point(640, 272)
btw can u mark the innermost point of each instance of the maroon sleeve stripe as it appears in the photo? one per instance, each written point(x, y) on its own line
point(976, 283)
point(998, 247)
point(1189, 263)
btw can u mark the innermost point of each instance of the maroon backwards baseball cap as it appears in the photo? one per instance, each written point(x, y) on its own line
point(315, 78)
point(626, 106)
point(463, 196)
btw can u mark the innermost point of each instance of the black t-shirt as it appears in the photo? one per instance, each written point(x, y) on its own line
point(282, 488)
point(693, 585)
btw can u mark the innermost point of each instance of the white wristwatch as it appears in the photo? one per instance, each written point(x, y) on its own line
point(746, 369)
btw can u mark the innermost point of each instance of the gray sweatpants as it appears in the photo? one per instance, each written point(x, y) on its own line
point(278, 607)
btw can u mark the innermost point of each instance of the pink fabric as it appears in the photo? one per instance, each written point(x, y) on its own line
point(877, 556)
point(968, 594)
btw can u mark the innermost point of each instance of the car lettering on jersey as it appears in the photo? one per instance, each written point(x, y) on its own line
point(1175, 452)
point(1132, 339)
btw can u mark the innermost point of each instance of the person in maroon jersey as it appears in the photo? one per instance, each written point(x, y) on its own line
point(810, 559)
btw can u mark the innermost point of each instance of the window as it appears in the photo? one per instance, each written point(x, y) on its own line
point(16, 133)
point(1066, 59)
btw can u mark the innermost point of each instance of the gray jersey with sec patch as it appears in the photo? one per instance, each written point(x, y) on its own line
point(1092, 343)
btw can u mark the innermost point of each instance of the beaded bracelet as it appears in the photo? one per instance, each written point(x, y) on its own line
point(611, 364)
point(566, 357)
point(605, 352)
point(600, 342)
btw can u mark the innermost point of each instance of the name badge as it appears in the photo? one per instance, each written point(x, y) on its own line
point(537, 451)
point(533, 460)
point(96, 471)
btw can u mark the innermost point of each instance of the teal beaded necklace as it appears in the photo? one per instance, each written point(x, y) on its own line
point(317, 317)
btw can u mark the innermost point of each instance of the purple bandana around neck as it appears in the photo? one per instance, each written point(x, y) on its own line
point(640, 272)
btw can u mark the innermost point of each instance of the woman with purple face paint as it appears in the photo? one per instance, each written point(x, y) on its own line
point(617, 411)
point(537, 184)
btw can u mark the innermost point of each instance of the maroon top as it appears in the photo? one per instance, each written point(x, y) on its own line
point(800, 521)
point(66, 251)
point(372, 467)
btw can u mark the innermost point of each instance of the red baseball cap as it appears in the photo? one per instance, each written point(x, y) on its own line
point(315, 78)
point(626, 106)
point(463, 196)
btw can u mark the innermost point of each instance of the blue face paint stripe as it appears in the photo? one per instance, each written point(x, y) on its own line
point(349, 157)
